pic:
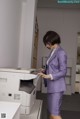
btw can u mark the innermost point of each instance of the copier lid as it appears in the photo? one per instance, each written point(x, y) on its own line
point(27, 74)
point(14, 70)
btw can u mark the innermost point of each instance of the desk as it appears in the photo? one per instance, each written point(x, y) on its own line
point(9, 110)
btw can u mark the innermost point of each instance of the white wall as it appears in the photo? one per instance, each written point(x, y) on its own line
point(10, 15)
point(27, 33)
point(17, 19)
point(64, 21)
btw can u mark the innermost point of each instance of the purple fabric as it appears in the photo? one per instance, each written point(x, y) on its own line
point(54, 103)
point(57, 67)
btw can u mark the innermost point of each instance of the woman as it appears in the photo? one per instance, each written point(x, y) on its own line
point(54, 74)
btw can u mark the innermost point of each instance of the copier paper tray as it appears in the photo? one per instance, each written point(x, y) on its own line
point(26, 85)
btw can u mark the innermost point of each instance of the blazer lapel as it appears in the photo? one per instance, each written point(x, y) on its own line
point(54, 54)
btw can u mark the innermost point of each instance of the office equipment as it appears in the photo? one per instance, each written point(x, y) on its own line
point(35, 112)
point(18, 86)
point(9, 110)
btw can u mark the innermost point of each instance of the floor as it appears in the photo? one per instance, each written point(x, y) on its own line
point(70, 107)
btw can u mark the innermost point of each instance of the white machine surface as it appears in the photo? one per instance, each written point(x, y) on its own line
point(9, 110)
point(35, 112)
point(18, 86)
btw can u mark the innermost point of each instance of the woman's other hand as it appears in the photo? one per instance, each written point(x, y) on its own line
point(44, 76)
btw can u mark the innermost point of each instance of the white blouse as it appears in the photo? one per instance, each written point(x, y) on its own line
point(51, 55)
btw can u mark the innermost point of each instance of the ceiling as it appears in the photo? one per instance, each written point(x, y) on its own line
point(54, 4)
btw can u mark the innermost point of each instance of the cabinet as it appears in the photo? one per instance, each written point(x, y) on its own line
point(68, 76)
point(68, 80)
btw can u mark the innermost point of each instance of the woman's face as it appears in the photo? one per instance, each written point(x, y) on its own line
point(48, 46)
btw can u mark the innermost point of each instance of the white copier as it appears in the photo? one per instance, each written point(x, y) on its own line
point(18, 86)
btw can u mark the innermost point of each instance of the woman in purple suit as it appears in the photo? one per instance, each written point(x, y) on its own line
point(54, 73)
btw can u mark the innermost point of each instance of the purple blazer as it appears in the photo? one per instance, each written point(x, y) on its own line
point(57, 67)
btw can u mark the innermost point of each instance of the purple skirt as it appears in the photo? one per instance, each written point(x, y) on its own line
point(54, 103)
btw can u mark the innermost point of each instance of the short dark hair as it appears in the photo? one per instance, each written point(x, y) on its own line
point(51, 37)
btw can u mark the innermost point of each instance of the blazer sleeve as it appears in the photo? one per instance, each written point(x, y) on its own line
point(62, 60)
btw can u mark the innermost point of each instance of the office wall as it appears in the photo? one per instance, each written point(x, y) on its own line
point(17, 19)
point(27, 33)
point(64, 21)
point(10, 15)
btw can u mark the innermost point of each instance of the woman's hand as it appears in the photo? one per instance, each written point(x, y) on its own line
point(44, 75)
point(41, 70)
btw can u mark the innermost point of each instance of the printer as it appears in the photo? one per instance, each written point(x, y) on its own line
point(18, 86)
